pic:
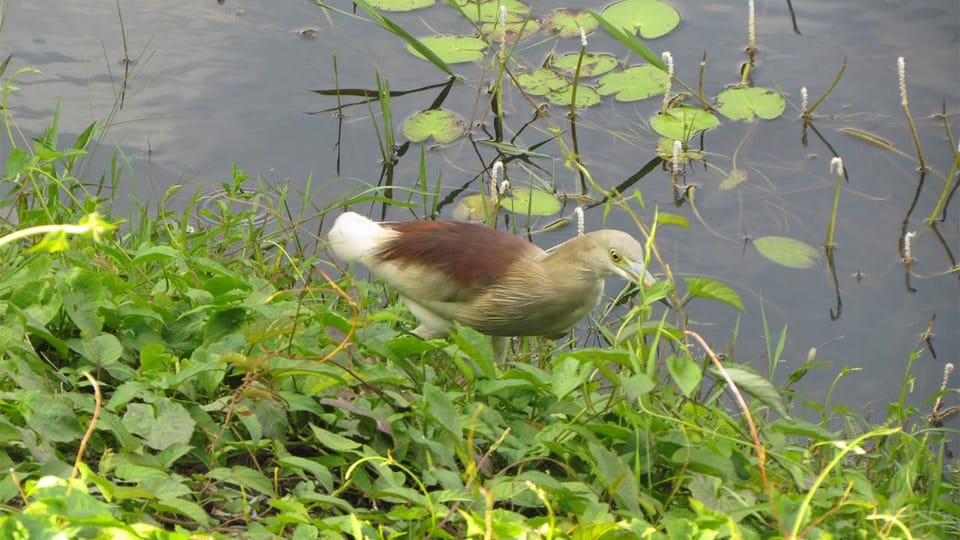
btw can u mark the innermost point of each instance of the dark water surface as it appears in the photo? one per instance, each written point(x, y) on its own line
point(212, 85)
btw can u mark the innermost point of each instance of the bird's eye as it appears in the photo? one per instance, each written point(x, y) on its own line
point(615, 255)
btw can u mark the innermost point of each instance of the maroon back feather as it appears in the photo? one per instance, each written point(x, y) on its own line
point(471, 255)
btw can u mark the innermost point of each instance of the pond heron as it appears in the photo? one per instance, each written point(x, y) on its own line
point(487, 279)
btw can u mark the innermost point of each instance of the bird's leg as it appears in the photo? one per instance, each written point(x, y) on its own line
point(500, 344)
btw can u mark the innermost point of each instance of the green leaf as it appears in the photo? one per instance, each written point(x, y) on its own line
point(244, 477)
point(616, 476)
point(400, 5)
point(592, 65)
point(422, 50)
point(650, 18)
point(743, 103)
point(714, 290)
point(566, 376)
point(754, 384)
point(451, 49)
point(630, 41)
point(667, 218)
point(787, 251)
point(566, 23)
point(440, 407)
point(82, 296)
point(634, 83)
point(542, 81)
point(444, 126)
point(337, 443)
point(51, 418)
point(161, 424)
point(682, 123)
point(586, 97)
point(685, 372)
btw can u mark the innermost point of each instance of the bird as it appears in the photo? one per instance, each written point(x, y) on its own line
point(501, 285)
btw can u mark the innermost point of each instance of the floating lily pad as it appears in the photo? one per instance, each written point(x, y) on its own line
point(743, 103)
point(651, 18)
point(634, 83)
point(519, 201)
point(592, 65)
point(400, 5)
point(682, 123)
point(443, 126)
point(586, 97)
point(487, 11)
point(541, 82)
point(787, 251)
point(515, 30)
point(734, 179)
point(665, 151)
point(453, 49)
point(567, 23)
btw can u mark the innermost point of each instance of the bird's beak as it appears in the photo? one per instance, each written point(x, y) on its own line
point(636, 272)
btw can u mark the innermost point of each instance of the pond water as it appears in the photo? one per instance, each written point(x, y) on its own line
point(212, 84)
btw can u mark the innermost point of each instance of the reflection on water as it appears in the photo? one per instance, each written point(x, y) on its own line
point(214, 85)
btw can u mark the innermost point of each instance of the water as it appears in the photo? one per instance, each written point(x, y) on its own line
point(209, 85)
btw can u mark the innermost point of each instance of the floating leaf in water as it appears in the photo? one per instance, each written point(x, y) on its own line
point(787, 251)
point(443, 126)
point(567, 23)
point(453, 49)
point(521, 201)
point(682, 123)
point(634, 83)
point(586, 96)
point(743, 103)
point(593, 64)
point(734, 179)
point(400, 5)
point(666, 218)
point(665, 151)
point(541, 82)
point(651, 18)
point(714, 290)
point(487, 14)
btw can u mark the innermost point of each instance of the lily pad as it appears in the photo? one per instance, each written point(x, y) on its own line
point(787, 252)
point(743, 103)
point(586, 97)
point(453, 49)
point(592, 65)
point(519, 201)
point(487, 11)
point(541, 82)
point(514, 30)
point(567, 23)
point(665, 151)
point(651, 18)
point(682, 123)
point(400, 5)
point(634, 83)
point(443, 126)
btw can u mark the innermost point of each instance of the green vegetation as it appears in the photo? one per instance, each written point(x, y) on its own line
point(204, 372)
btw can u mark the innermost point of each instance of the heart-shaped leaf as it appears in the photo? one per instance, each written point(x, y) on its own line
point(634, 83)
point(651, 18)
point(452, 49)
point(443, 126)
point(566, 23)
point(744, 103)
point(787, 251)
point(682, 123)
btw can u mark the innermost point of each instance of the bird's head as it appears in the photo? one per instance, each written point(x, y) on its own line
point(620, 254)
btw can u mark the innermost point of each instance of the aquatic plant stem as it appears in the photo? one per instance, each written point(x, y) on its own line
point(838, 163)
point(905, 103)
